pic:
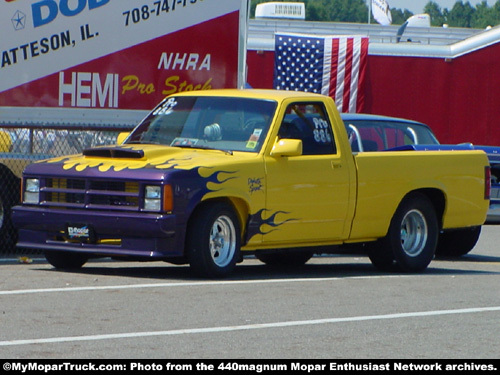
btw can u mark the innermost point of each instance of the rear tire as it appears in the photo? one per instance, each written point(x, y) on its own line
point(213, 240)
point(411, 241)
point(455, 243)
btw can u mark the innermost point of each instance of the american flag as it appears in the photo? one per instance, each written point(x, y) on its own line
point(333, 66)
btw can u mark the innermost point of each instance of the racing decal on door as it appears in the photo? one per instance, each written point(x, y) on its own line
point(255, 184)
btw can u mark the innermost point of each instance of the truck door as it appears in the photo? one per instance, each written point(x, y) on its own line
point(307, 195)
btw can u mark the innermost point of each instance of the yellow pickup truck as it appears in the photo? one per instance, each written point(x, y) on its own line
point(210, 176)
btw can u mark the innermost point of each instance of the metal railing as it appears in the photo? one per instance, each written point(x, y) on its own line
point(22, 144)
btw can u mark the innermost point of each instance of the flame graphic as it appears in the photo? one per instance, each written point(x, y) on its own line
point(257, 220)
point(215, 178)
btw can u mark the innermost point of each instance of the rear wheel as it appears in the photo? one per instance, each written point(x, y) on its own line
point(65, 259)
point(455, 243)
point(411, 241)
point(213, 240)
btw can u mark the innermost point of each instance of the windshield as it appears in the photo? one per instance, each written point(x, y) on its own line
point(368, 135)
point(222, 123)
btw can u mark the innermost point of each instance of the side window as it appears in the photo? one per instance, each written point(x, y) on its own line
point(366, 135)
point(309, 122)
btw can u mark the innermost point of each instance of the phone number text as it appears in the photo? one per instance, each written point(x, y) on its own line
point(158, 8)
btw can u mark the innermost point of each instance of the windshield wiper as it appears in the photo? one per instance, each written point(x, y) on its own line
point(230, 152)
point(143, 143)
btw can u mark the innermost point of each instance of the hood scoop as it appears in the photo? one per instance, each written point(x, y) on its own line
point(114, 153)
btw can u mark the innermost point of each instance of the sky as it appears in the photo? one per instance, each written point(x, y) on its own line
point(417, 6)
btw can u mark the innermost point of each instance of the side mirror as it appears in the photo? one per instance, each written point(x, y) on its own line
point(287, 147)
point(121, 137)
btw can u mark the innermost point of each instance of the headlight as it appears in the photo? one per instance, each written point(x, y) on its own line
point(158, 198)
point(152, 198)
point(32, 191)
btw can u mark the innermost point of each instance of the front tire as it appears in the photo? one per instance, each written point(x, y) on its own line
point(9, 196)
point(411, 241)
point(213, 240)
point(65, 259)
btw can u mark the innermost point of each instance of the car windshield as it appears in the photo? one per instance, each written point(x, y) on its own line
point(222, 123)
point(368, 135)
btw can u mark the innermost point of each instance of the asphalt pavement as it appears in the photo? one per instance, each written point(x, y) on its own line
point(332, 308)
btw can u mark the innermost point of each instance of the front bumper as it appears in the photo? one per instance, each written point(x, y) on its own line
point(114, 233)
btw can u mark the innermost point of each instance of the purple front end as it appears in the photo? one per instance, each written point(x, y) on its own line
point(104, 213)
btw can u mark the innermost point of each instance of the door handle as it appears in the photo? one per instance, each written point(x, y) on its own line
point(336, 164)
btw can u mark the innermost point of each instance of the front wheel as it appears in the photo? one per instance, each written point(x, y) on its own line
point(411, 241)
point(213, 240)
point(9, 196)
point(65, 259)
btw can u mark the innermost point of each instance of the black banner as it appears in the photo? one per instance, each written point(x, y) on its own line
point(248, 366)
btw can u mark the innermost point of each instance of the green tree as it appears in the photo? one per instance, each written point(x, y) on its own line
point(460, 15)
point(399, 16)
point(496, 12)
point(337, 10)
point(484, 16)
point(434, 11)
point(328, 10)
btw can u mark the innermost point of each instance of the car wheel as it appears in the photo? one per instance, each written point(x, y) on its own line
point(65, 259)
point(381, 257)
point(9, 196)
point(411, 241)
point(213, 240)
point(455, 243)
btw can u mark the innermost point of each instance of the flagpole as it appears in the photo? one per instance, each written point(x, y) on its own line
point(369, 10)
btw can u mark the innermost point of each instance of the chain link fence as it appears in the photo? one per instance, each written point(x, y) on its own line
point(20, 146)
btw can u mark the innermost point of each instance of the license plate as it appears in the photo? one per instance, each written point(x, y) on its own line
point(80, 232)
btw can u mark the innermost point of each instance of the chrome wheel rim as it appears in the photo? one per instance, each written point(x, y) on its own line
point(414, 233)
point(222, 241)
